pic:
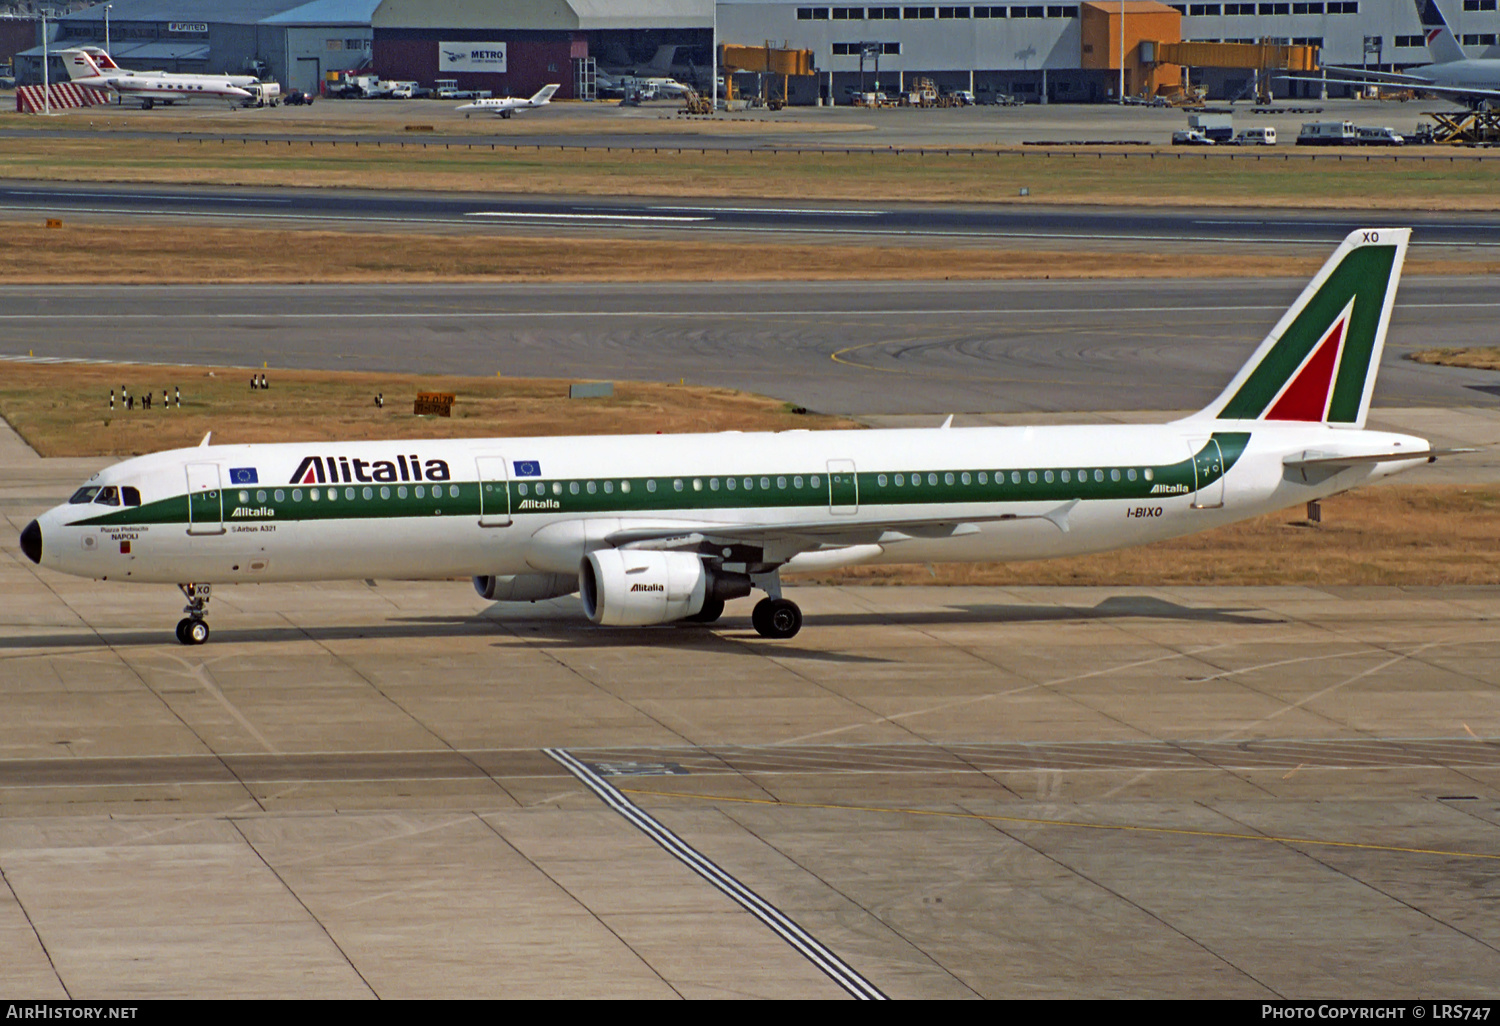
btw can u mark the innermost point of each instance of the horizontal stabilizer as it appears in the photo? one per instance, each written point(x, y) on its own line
point(1314, 459)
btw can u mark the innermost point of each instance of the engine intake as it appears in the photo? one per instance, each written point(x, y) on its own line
point(525, 587)
point(633, 588)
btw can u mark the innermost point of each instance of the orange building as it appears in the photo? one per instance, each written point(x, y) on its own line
point(1145, 21)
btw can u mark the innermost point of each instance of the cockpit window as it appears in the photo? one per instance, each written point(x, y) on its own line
point(109, 496)
point(131, 495)
point(85, 494)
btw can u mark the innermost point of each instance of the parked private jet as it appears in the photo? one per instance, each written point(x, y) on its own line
point(149, 88)
point(658, 528)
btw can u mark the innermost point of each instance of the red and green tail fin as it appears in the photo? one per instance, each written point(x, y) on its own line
point(1318, 364)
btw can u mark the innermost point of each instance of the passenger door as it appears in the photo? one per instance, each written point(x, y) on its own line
point(205, 499)
point(843, 488)
point(494, 491)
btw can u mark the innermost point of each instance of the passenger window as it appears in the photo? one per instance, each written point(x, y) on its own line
point(797, 481)
point(369, 493)
point(282, 495)
point(624, 486)
point(385, 492)
point(730, 483)
point(984, 478)
point(749, 484)
point(609, 488)
point(879, 479)
point(261, 496)
point(591, 487)
point(400, 493)
point(1031, 476)
point(1130, 474)
point(677, 484)
point(83, 495)
point(781, 482)
point(1065, 477)
point(314, 494)
point(963, 478)
point(349, 494)
point(422, 492)
point(244, 496)
point(1047, 476)
point(697, 484)
point(523, 488)
point(1098, 475)
point(572, 487)
point(900, 480)
point(556, 489)
point(713, 484)
point(765, 482)
point(1148, 474)
point(650, 484)
point(948, 478)
point(453, 491)
point(109, 496)
point(815, 480)
point(1015, 477)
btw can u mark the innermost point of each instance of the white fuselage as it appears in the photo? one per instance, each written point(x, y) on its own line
point(458, 508)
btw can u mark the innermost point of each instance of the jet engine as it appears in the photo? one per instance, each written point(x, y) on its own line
point(525, 587)
point(632, 588)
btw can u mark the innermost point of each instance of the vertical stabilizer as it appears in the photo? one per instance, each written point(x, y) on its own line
point(1318, 364)
point(1441, 43)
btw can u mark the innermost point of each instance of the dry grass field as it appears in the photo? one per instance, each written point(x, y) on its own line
point(63, 409)
point(1392, 534)
point(1142, 177)
point(207, 255)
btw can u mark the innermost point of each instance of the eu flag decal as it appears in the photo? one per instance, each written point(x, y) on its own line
point(243, 475)
point(524, 468)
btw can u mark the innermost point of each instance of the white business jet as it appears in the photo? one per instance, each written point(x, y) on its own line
point(505, 106)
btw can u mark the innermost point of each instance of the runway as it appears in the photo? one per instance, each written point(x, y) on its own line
point(850, 348)
point(1021, 224)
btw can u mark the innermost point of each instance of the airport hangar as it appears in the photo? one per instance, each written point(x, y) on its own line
point(1066, 52)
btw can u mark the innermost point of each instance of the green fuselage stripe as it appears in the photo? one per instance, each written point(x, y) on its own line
point(644, 495)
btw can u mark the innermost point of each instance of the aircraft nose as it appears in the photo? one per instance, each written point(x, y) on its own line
point(31, 541)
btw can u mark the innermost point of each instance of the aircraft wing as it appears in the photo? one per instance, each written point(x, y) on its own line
point(796, 536)
point(1395, 79)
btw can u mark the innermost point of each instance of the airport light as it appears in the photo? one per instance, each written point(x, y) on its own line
point(1122, 53)
point(46, 72)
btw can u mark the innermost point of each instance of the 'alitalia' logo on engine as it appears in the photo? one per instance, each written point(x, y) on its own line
point(336, 469)
point(647, 587)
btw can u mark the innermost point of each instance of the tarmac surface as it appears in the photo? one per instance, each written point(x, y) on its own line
point(607, 123)
point(859, 349)
point(1436, 235)
point(364, 790)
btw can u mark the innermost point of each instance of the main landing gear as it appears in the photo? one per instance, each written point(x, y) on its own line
point(774, 617)
point(193, 629)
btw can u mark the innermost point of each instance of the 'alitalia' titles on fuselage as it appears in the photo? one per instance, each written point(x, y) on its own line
point(348, 469)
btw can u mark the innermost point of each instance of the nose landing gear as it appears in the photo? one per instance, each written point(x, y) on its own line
point(193, 629)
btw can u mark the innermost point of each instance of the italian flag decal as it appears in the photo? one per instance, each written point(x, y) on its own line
point(1318, 364)
point(1307, 395)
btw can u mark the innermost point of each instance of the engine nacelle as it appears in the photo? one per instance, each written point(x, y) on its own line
point(636, 587)
point(525, 587)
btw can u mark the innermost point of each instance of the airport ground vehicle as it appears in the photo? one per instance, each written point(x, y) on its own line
point(1326, 133)
point(1256, 137)
point(1378, 136)
point(1191, 137)
point(1218, 127)
point(652, 529)
point(262, 94)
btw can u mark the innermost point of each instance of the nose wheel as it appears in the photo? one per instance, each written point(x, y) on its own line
point(193, 628)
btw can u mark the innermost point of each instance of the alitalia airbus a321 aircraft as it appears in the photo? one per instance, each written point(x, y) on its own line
point(656, 528)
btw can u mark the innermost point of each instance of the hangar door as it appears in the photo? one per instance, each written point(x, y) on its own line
point(308, 75)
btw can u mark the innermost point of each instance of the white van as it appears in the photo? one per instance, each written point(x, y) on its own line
point(1256, 137)
point(1378, 137)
